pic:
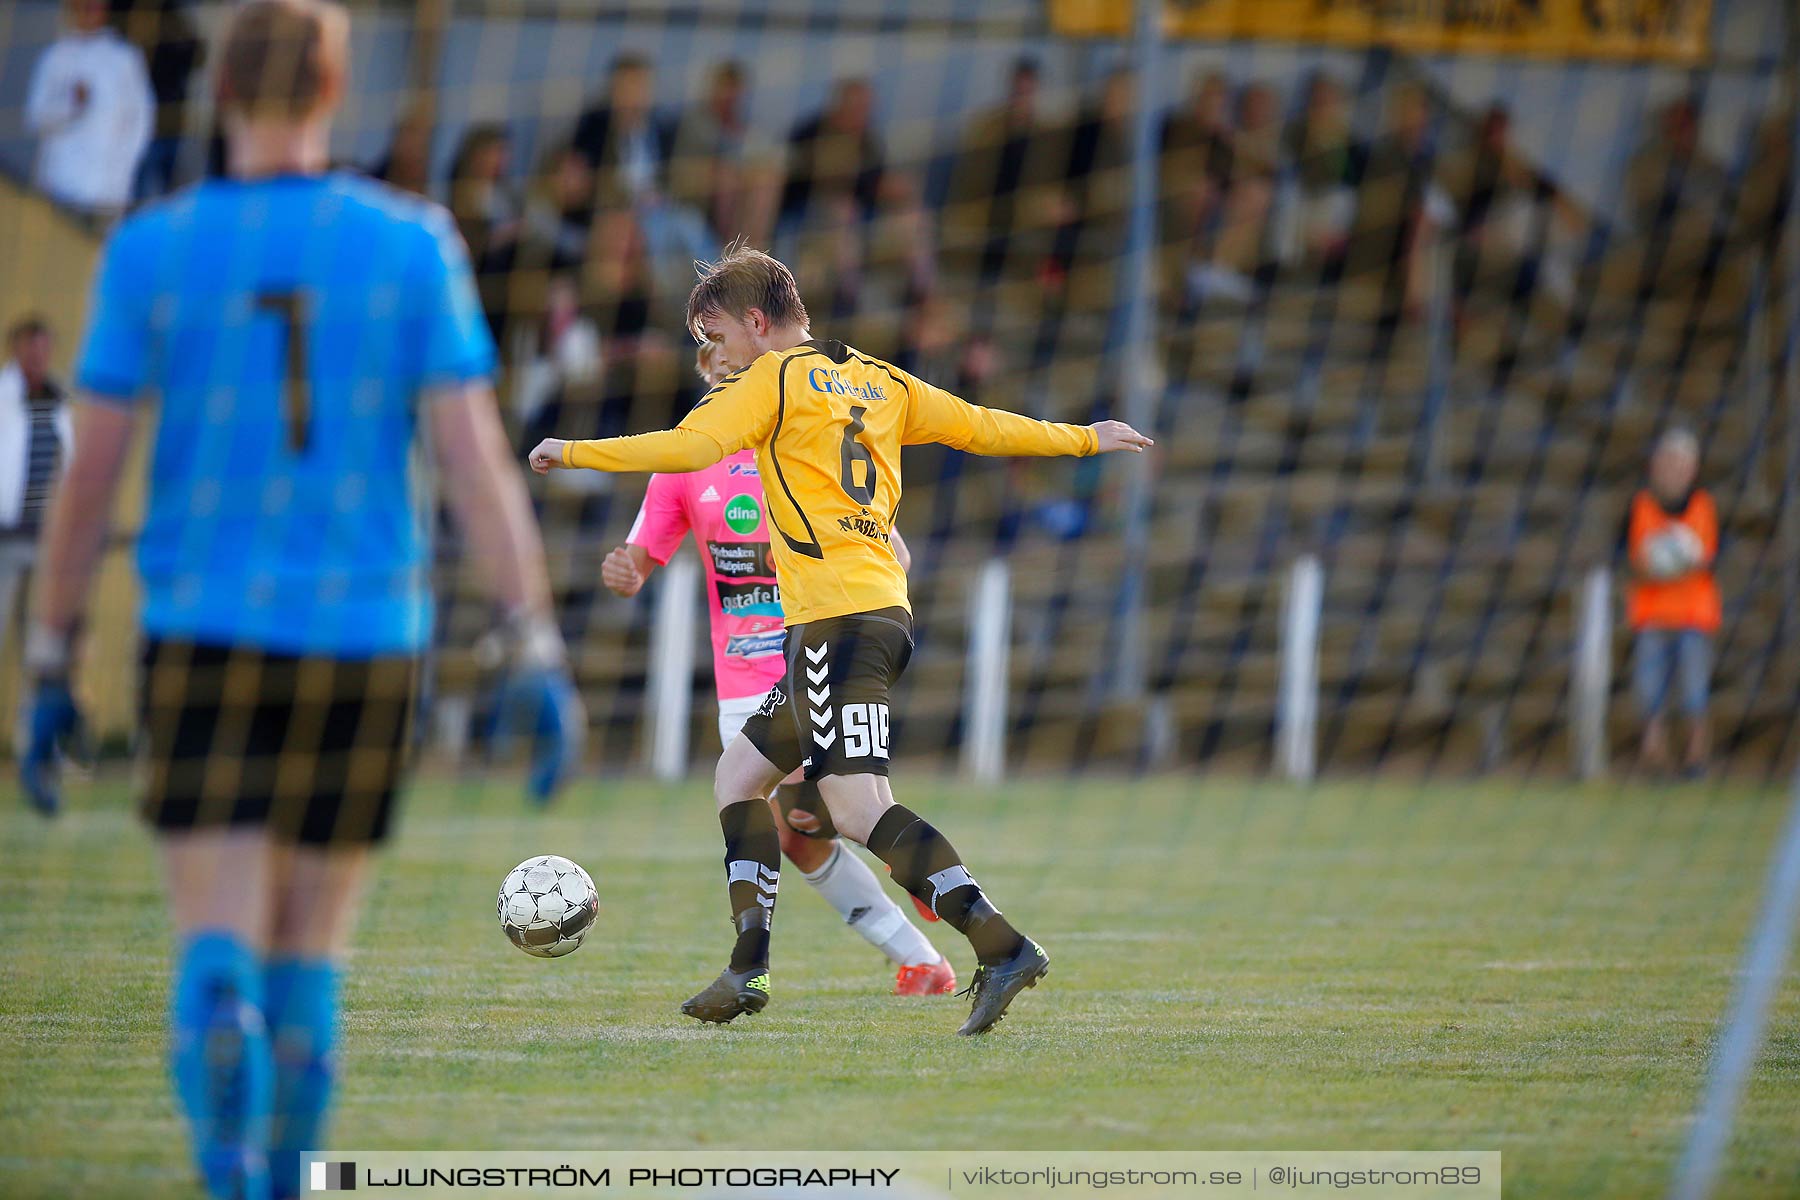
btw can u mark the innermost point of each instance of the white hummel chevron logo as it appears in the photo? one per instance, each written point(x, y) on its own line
point(710, 495)
point(824, 736)
point(767, 884)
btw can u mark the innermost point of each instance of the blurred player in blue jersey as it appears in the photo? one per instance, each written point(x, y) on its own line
point(302, 330)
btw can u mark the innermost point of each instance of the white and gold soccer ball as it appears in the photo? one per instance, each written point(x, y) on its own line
point(547, 905)
point(1673, 552)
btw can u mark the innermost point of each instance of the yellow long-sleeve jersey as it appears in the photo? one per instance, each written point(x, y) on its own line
point(828, 423)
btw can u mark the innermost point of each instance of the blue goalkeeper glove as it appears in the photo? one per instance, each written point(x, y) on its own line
point(50, 727)
point(538, 701)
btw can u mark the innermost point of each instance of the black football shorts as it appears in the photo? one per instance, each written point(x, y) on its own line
point(311, 749)
point(829, 714)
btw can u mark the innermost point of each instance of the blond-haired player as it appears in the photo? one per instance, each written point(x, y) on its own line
point(724, 506)
point(827, 423)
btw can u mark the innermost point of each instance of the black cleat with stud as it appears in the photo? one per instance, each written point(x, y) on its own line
point(994, 987)
point(733, 992)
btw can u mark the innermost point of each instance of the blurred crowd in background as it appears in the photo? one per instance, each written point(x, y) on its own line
point(586, 254)
point(994, 263)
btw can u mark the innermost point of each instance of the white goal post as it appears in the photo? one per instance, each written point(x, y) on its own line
point(984, 685)
point(1297, 705)
point(669, 689)
point(1590, 679)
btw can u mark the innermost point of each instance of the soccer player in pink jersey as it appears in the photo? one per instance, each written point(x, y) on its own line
point(723, 506)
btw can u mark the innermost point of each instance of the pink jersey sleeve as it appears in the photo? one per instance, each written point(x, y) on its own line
point(662, 519)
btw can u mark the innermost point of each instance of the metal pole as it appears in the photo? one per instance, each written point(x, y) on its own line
point(1791, 332)
point(1765, 959)
point(1138, 354)
point(1759, 381)
point(1297, 708)
point(984, 691)
point(1438, 361)
point(671, 681)
point(1590, 682)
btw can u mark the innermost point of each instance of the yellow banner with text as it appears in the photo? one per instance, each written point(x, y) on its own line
point(1661, 29)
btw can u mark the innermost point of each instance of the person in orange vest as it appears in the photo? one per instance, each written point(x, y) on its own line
point(1672, 601)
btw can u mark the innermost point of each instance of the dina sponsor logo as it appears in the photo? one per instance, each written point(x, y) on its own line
point(833, 382)
point(748, 469)
point(743, 514)
point(749, 599)
point(755, 645)
point(741, 560)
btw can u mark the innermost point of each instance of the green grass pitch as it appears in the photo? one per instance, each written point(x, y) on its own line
point(1523, 966)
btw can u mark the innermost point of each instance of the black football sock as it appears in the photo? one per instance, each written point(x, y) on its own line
point(752, 872)
point(926, 864)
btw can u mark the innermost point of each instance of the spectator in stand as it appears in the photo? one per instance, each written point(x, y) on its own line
point(835, 153)
point(928, 338)
point(163, 32)
point(630, 309)
point(624, 144)
point(407, 164)
point(487, 213)
point(1000, 186)
point(1510, 214)
point(1328, 164)
point(1672, 602)
point(35, 440)
point(559, 212)
point(1763, 192)
point(1098, 171)
point(90, 105)
point(619, 289)
point(707, 168)
point(567, 359)
point(1399, 208)
point(902, 255)
point(830, 251)
point(1219, 187)
point(1094, 199)
point(873, 273)
point(628, 150)
point(482, 199)
point(1256, 142)
point(1197, 145)
point(1671, 175)
point(1674, 193)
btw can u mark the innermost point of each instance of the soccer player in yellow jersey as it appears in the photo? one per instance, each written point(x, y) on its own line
point(827, 424)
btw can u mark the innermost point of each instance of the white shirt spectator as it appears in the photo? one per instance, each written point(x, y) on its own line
point(91, 107)
point(35, 433)
point(36, 438)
